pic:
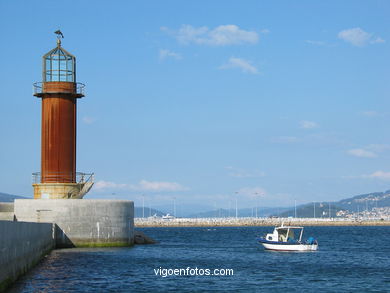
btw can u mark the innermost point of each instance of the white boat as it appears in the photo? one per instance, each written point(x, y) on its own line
point(288, 238)
point(168, 217)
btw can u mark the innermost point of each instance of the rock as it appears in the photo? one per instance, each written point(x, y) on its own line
point(141, 238)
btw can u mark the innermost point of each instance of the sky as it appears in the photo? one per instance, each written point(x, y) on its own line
point(206, 102)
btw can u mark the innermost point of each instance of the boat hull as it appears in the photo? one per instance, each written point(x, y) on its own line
point(290, 247)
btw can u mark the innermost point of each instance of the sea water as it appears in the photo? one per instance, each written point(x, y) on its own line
point(349, 259)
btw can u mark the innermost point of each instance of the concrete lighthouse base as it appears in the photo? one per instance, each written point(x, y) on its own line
point(61, 190)
point(82, 222)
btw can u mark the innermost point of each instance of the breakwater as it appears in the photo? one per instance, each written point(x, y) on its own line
point(82, 223)
point(22, 245)
point(6, 211)
point(237, 222)
point(33, 227)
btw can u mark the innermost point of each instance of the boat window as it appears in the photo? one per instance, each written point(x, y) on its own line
point(282, 235)
point(282, 231)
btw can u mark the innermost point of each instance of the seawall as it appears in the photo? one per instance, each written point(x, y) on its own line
point(30, 228)
point(82, 222)
point(22, 245)
point(6, 211)
point(239, 222)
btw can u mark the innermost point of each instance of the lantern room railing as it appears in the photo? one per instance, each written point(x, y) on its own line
point(39, 90)
point(62, 177)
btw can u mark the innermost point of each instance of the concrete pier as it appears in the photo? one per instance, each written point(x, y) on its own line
point(22, 245)
point(6, 211)
point(82, 222)
point(241, 222)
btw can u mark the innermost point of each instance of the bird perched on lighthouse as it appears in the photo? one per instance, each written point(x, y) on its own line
point(59, 33)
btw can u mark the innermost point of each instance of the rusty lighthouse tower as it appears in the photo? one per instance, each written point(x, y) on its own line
point(59, 92)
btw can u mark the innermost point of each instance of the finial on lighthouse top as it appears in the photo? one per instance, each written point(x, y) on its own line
point(59, 37)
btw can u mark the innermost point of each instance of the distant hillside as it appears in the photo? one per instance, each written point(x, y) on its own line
point(147, 212)
point(5, 197)
point(248, 212)
point(354, 204)
point(311, 210)
point(183, 210)
point(366, 201)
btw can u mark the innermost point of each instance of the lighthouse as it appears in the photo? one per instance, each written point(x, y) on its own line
point(59, 92)
point(58, 188)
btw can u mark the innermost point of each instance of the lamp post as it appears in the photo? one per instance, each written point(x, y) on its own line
point(143, 206)
point(174, 207)
point(295, 203)
point(236, 204)
point(314, 210)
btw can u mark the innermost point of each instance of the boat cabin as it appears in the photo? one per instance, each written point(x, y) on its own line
point(286, 234)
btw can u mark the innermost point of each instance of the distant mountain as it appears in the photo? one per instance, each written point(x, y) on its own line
point(184, 210)
point(147, 212)
point(5, 197)
point(311, 210)
point(248, 212)
point(366, 201)
point(354, 204)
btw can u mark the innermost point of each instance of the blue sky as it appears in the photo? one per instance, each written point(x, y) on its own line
point(197, 100)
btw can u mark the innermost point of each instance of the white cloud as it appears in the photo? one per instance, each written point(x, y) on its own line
point(265, 31)
point(362, 153)
point(370, 113)
point(358, 37)
point(355, 36)
point(369, 151)
point(163, 54)
point(222, 35)
point(308, 124)
point(143, 185)
point(158, 186)
point(88, 120)
point(241, 173)
point(379, 175)
point(252, 192)
point(377, 41)
point(101, 185)
point(240, 63)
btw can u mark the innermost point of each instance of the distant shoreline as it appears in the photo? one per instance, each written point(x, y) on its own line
point(255, 222)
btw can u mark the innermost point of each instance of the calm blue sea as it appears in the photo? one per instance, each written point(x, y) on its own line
point(350, 259)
